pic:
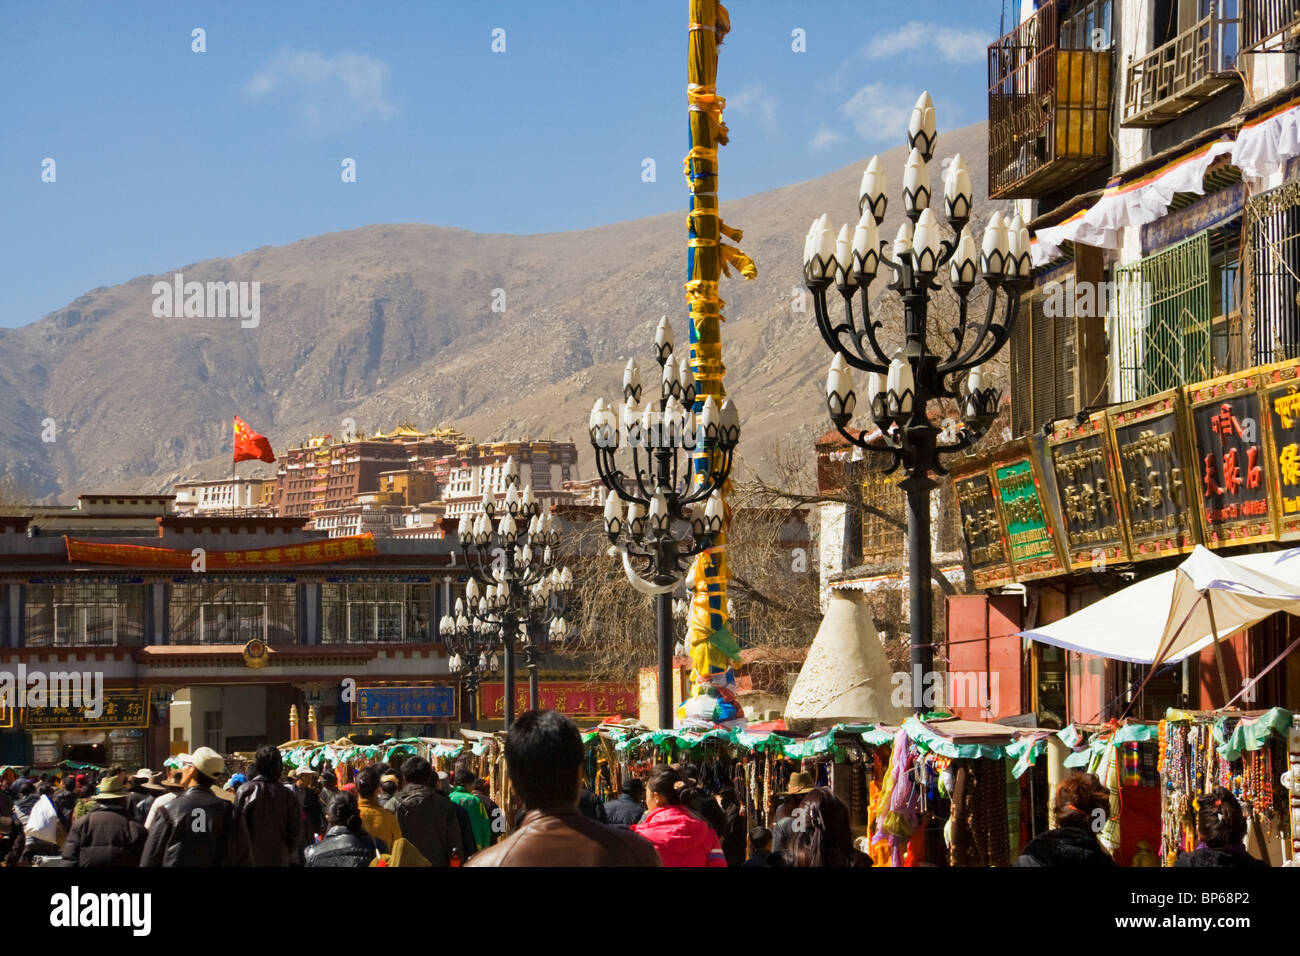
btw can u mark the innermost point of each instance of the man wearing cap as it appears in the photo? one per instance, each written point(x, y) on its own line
point(198, 828)
point(269, 812)
point(137, 793)
point(172, 788)
point(151, 790)
point(800, 783)
point(313, 816)
point(107, 835)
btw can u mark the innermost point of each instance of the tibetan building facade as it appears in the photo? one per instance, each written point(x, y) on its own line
point(1154, 395)
point(207, 630)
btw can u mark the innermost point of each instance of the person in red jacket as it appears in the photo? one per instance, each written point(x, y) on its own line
point(682, 838)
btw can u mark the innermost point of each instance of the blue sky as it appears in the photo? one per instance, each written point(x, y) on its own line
point(164, 156)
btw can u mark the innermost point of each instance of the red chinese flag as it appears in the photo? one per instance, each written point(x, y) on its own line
point(249, 445)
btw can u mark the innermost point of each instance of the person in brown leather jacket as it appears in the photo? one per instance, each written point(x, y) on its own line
point(544, 756)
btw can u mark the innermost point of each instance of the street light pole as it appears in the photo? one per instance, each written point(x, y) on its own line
point(668, 520)
point(521, 584)
point(902, 384)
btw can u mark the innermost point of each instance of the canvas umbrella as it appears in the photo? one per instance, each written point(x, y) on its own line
point(1175, 614)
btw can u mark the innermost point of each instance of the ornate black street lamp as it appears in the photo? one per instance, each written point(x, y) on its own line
point(521, 583)
point(902, 383)
point(470, 643)
point(668, 519)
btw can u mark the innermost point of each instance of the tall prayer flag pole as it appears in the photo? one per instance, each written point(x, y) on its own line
point(711, 646)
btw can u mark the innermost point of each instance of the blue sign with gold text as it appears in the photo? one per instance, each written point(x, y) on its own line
point(405, 704)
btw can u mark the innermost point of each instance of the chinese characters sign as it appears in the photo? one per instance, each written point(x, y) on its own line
point(1230, 461)
point(981, 529)
point(1033, 548)
point(405, 704)
point(136, 556)
point(1281, 401)
point(1083, 466)
point(1158, 493)
point(121, 708)
point(574, 698)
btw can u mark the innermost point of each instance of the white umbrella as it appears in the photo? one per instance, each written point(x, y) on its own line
point(1175, 614)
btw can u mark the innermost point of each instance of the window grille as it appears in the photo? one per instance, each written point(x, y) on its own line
point(1042, 362)
point(1161, 332)
point(233, 613)
point(375, 612)
point(84, 615)
point(1272, 294)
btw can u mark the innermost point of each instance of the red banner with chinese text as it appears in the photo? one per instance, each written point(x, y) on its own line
point(138, 556)
point(574, 698)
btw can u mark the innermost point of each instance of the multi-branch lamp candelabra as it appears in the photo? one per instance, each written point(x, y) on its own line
point(904, 381)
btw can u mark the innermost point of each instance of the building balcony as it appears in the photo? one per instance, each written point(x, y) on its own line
point(1049, 107)
point(1268, 23)
point(1178, 76)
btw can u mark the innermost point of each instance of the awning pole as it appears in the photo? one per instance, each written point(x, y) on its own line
point(1218, 652)
point(1161, 651)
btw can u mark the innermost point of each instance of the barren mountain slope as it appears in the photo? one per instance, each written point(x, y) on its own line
point(395, 322)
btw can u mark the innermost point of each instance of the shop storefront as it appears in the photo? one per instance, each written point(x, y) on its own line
point(1066, 516)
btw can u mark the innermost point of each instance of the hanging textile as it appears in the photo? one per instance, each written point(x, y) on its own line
point(1126, 204)
point(1265, 144)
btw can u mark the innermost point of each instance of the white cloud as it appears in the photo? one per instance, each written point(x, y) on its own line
point(880, 112)
point(754, 100)
point(952, 45)
point(824, 138)
point(328, 92)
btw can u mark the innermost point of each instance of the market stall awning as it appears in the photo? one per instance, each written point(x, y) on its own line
point(1168, 617)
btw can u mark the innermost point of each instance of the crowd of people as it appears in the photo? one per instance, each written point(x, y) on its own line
point(409, 814)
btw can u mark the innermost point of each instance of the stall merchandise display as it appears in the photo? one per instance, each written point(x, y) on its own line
point(1243, 753)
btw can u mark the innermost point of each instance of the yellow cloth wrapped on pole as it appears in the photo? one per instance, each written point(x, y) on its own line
point(709, 642)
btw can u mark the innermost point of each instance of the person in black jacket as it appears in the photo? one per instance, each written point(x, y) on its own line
point(139, 809)
point(1222, 829)
point(270, 813)
point(107, 835)
point(629, 807)
point(136, 793)
point(199, 828)
point(1080, 807)
point(346, 842)
point(427, 816)
point(65, 801)
point(760, 848)
point(733, 832)
point(313, 814)
point(589, 805)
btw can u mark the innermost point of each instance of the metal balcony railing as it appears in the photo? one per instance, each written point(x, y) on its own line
point(1178, 76)
point(1049, 107)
